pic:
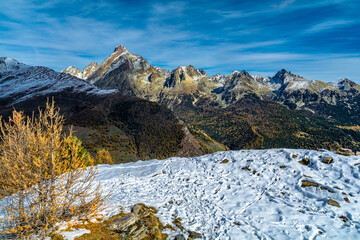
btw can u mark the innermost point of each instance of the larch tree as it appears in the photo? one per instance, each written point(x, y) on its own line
point(45, 176)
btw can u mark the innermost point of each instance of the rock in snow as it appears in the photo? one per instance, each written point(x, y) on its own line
point(255, 194)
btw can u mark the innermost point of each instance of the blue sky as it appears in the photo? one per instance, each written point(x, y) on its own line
point(316, 39)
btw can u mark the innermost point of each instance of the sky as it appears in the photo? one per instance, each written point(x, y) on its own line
point(315, 39)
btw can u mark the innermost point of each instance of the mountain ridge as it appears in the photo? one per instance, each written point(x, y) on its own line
point(133, 75)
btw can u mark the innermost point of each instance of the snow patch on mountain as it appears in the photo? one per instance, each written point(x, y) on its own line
point(252, 194)
point(343, 84)
point(8, 64)
point(39, 81)
point(296, 85)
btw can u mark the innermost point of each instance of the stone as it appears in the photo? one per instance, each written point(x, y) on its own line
point(137, 209)
point(327, 160)
point(122, 224)
point(179, 237)
point(194, 235)
point(140, 233)
point(333, 203)
point(305, 161)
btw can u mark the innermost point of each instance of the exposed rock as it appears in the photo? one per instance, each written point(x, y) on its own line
point(194, 235)
point(343, 218)
point(140, 224)
point(333, 203)
point(304, 161)
point(306, 183)
point(122, 224)
point(179, 237)
point(85, 73)
point(137, 208)
point(327, 160)
point(190, 146)
point(225, 161)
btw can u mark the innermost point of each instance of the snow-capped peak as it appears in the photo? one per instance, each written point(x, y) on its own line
point(85, 73)
point(121, 49)
point(283, 77)
point(8, 64)
point(343, 84)
point(234, 72)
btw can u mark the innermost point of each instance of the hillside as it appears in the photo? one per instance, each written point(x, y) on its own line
point(242, 110)
point(129, 127)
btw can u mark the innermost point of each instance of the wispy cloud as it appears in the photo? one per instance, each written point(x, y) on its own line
point(327, 25)
point(285, 4)
point(218, 36)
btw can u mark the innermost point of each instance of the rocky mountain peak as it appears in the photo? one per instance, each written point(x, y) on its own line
point(89, 69)
point(184, 74)
point(283, 76)
point(121, 49)
point(85, 73)
point(72, 71)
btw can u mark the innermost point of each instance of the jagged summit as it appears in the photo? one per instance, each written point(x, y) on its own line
point(85, 73)
point(132, 75)
point(121, 49)
point(8, 64)
point(283, 77)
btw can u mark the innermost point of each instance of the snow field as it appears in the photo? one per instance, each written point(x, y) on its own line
point(256, 194)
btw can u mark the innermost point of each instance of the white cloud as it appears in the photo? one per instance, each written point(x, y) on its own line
point(327, 25)
point(285, 4)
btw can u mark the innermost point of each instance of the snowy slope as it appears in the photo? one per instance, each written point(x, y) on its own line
point(8, 64)
point(24, 82)
point(257, 194)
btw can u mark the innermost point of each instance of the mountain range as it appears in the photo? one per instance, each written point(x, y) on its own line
point(285, 110)
point(133, 75)
point(137, 110)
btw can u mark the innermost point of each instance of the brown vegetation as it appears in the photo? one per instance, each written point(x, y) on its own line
point(45, 174)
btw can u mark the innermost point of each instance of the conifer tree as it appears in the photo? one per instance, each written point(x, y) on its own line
point(44, 175)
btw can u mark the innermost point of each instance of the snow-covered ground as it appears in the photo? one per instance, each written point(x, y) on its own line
point(256, 194)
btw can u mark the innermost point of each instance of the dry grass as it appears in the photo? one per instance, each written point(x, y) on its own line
point(353, 128)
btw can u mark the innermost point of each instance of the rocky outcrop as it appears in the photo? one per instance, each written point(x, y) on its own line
point(140, 224)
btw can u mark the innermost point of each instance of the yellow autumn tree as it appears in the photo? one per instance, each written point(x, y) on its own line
point(103, 157)
point(44, 175)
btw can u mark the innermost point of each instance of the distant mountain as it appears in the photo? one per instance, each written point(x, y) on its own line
point(133, 75)
point(19, 82)
point(85, 73)
point(198, 98)
point(239, 110)
point(130, 127)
